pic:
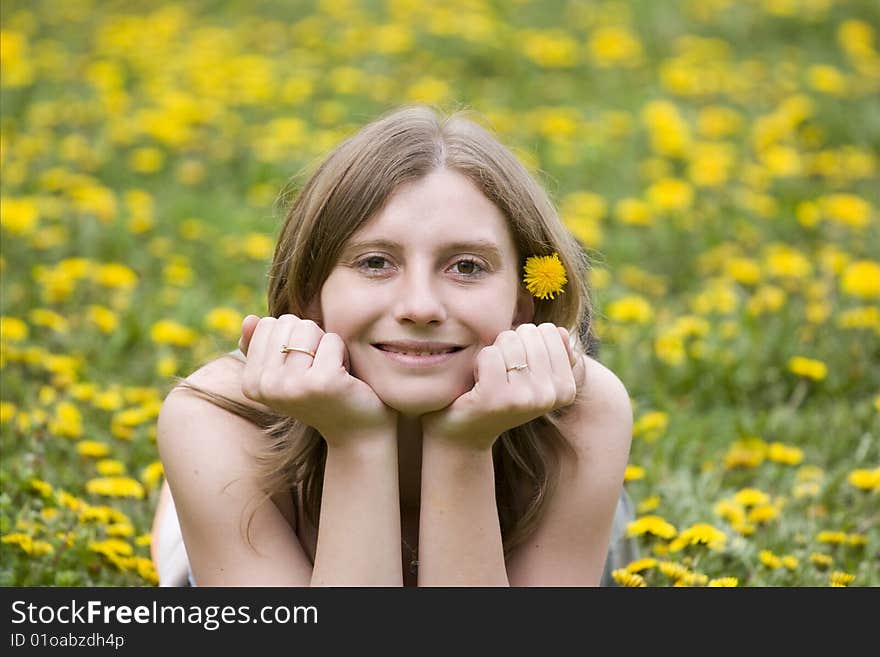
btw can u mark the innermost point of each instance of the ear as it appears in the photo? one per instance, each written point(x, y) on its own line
point(524, 312)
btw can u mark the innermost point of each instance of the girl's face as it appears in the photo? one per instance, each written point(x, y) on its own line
point(421, 288)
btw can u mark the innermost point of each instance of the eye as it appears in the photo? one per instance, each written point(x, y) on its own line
point(373, 262)
point(468, 267)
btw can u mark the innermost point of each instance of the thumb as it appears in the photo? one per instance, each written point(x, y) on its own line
point(248, 326)
point(575, 355)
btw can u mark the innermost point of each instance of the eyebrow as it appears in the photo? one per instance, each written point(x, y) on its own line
point(485, 246)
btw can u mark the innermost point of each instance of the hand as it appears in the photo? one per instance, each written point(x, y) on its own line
point(503, 398)
point(317, 390)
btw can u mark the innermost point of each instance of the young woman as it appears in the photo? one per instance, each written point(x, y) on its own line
point(409, 412)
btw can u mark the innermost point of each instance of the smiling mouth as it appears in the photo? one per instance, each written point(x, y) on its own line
point(397, 350)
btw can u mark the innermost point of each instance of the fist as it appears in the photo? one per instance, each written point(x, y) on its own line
point(525, 374)
point(298, 370)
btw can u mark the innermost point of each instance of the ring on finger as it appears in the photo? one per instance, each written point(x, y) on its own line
point(513, 368)
point(285, 349)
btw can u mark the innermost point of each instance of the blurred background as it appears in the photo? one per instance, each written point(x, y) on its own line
point(718, 159)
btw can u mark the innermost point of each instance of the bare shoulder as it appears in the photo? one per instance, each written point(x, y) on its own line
point(602, 412)
point(603, 389)
point(189, 421)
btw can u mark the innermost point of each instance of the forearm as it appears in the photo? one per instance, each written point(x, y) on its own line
point(459, 530)
point(359, 529)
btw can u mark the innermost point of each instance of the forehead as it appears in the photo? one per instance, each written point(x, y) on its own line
point(443, 206)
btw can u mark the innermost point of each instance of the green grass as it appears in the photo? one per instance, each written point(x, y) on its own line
point(84, 85)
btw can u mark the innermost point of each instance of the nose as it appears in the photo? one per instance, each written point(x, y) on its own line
point(419, 300)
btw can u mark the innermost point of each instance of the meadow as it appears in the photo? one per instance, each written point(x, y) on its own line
point(717, 158)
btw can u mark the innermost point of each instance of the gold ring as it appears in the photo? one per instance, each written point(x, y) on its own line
point(517, 367)
point(285, 349)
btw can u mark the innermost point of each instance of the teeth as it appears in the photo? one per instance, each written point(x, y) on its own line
point(418, 353)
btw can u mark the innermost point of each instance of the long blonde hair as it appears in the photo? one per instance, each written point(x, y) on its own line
point(353, 183)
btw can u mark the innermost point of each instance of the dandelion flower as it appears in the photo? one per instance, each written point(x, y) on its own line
point(545, 276)
point(700, 533)
point(840, 578)
point(728, 582)
point(865, 479)
point(650, 525)
point(820, 560)
point(639, 565)
point(808, 368)
point(626, 578)
point(115, 487)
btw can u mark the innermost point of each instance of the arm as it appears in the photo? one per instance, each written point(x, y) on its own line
point(209, 462)
point(359, 535)
point(459, 531)
point(206, 454)
point(570, 544)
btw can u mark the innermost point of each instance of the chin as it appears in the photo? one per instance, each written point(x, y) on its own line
point(416, 402)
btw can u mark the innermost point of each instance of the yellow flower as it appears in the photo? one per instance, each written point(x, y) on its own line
point(650, 525)
point(167, 331)
point(762, 513)
point(545, 276)
point(226, 321)
point(747, 452)
point(115, 487)
point(615, 46)
point(820, 560)
point(724, 582)
point(115, 275)
point(634, 211)
point(670, 194)
point(651, 425)
point(12, 329)
point(627, 578)
point(92, 448)
point(632, 308)
point(861, 279)
point(865, 479)
point(751, 497)
point(831, 537)
point(790, 562)
point(633, 473)
point(104, 318)
point(641, 564)
point(67, 421)
point(7, 411)
point(649, 504)
point(769, 559)
point(110, 467)
point(49, 319)
point(257, 246)
point(787, 454)
point(840, 578)
point(111, 547)
point(44, 488)
point(700, 533)
point(151, 474)
point(807, 367)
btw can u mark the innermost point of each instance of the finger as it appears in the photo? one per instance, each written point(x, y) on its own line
point(514, 353)
point(536, 352)
point(570, 348)
point(330, 353)
point(489, 369)
point(576, 356)
point(557, 349)
point(248, 326)
point(258, 345)
point(305, 334)
point(279, 337)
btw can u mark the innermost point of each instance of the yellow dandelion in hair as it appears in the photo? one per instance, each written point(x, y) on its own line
point(545, 276)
